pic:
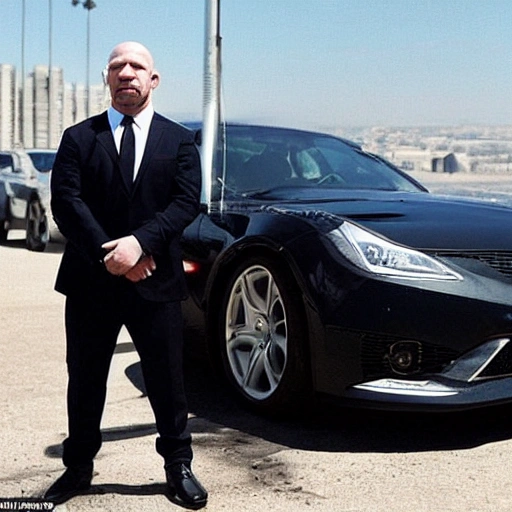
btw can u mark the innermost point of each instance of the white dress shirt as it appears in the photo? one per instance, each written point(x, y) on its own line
point(142, 122)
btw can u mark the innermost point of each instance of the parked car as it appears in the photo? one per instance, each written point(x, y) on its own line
point(43, 160)
point(320, 269)
point(24, 199)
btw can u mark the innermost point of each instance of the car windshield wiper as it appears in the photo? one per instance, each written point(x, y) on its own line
point(254, 192)
point(265, 191)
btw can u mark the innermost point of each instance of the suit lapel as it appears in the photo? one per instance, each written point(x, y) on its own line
point(154, 136)
point(106, 139)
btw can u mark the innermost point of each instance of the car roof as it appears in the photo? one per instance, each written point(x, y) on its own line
point(40, 150)
point(198, 125)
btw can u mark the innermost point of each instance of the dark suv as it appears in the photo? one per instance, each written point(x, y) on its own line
point(24, 199)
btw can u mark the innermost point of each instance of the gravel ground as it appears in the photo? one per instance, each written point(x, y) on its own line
point(333, 460)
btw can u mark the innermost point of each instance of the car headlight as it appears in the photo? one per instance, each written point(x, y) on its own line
point(380, 256)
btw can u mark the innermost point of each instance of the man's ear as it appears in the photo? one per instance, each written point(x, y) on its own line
point(155, 79)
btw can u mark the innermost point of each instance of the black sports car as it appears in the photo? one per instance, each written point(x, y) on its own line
point(318, 268)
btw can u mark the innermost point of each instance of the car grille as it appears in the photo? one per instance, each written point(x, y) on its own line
point(497, 260)
point(379, 361)
point(499, 366)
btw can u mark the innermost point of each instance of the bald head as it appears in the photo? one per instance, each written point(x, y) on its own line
point(131, 77)
point(131, 46)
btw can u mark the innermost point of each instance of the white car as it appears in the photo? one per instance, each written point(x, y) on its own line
point(24, 199)
point(43, 160)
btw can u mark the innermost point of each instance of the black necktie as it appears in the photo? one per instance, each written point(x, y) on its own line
point(127, 152)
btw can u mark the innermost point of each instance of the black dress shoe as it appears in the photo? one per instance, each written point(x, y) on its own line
point(185, 486)
point(72, 482)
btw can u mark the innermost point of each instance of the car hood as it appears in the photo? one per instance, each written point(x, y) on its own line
point(421, 220)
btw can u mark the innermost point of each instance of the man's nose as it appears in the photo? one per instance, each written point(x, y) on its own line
point(126, 72)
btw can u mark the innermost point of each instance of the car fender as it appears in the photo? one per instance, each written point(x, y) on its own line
point(265, 232)
point(266, 236)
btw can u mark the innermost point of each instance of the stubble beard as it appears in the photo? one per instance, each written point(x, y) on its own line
point(131, 103)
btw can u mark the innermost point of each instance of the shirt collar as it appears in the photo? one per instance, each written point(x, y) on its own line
point(142, 119)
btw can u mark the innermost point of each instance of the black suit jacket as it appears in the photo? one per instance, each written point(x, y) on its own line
point(91, 205)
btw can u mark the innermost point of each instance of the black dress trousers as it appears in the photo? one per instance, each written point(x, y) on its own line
point(93, 324)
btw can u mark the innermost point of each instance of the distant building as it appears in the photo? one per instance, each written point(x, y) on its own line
point(99, 98)
point(7, 105)
point(56, 112)
point(40, 107)
point(36, 113)
point(68, 110)
point(412, 159)
point(409, 158)
point(446, 163)
point(25, 123)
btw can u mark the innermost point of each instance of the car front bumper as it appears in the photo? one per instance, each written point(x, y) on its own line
point(481, 377)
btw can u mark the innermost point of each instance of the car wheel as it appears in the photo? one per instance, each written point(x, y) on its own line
point(3, 234)
point(263, 337)
point(37, 227)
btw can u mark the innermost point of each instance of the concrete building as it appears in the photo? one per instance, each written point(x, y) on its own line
point(56, 112)
point(409, 158)
point(99, 99)
point(80, 98)
point(445, 163)
point(26, 120)
point(68, 117)
point(7, 106)
point(40, 107)
point(35, 113)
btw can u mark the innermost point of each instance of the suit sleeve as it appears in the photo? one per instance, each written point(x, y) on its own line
point(72, 216)
point(155, 235)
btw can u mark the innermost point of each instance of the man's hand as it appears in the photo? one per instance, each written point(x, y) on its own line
point(124, 255)
point(142, 270)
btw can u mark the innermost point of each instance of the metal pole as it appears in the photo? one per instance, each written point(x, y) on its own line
point(89, 5)
point(22, 95)
point(87, 92)
point(50, 84)
point(211, 95)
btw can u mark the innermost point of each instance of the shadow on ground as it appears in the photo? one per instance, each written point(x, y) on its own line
point(20, 243)
point(329, 428)
point(324, 427)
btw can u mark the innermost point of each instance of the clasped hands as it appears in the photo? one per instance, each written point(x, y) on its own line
point(126, 258)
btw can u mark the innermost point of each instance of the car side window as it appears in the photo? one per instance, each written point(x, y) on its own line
point(6, 163)
point(43, 162)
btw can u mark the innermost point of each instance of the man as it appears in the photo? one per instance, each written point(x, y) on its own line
point(122, 265)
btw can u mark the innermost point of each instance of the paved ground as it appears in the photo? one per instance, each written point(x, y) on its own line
point(335, 460)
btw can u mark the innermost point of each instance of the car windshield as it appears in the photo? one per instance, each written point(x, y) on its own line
point(259, 159)
point(42, 161)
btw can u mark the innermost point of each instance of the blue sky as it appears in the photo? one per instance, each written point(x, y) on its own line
point(305, 63)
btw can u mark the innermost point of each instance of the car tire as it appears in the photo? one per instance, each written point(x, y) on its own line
point(3, 235)
point(262, 338)
point(37, 236)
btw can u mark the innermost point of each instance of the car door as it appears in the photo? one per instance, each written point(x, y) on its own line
point(17, 184)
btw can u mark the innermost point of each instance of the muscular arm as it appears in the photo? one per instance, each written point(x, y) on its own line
point(77, 222)
point(154, 236)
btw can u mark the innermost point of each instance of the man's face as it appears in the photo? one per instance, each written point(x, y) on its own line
point(131, 78)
